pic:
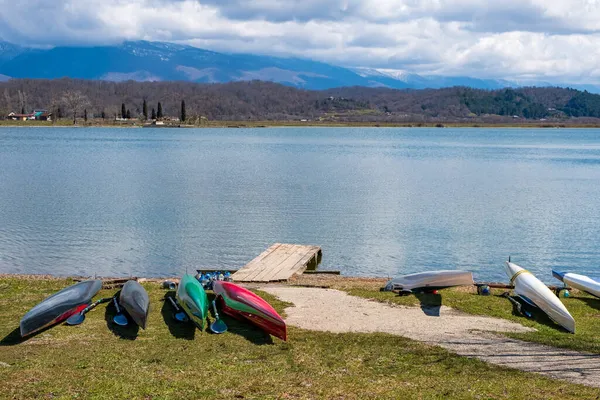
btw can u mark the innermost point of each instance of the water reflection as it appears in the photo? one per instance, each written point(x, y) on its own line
point(379, 201)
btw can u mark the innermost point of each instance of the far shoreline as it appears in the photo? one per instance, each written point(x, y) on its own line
point(307, 124)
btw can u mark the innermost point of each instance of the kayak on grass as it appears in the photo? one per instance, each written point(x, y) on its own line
point(60, 306)
point(581, 282)
point(134, 299)
point(535, 292)
point(242, 304)
point(430, 280)
point(193, 300)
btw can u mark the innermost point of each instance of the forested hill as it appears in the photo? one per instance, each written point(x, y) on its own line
point(258, 100)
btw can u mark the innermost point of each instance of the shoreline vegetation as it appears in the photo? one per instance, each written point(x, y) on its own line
point(168, 360)
point(67, 123)
point(65, 102)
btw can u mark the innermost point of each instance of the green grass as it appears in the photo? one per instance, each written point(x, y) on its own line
point(177, 361)
point(583, 307)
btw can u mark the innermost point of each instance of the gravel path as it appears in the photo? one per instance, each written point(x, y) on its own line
point(467, 335)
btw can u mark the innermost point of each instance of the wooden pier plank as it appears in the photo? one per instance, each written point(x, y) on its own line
point(278, 263)
point(269, 262)
point(298, 267)
point(274, 263)
point(255, 264)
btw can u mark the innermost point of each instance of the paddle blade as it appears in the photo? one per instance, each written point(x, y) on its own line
point(120, 320)
point(181, 317)
point(218, 326)
point(76, 319)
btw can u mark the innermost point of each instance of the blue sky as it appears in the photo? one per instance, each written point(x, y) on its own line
point(516, 39)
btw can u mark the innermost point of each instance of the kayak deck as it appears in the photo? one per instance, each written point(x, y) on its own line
point(59, 306)
point(242, 304)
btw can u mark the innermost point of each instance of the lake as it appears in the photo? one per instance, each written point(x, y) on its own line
point(380, 201)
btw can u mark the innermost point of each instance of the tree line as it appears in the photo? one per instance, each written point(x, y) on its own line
point(257, 100)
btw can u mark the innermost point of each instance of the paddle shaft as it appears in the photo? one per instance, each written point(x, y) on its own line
point(175, 306)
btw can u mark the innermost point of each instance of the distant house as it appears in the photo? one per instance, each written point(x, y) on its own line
point(20, 117)
point(42, 115)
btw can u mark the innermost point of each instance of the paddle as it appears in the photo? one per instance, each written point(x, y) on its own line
point(178, 315)
point(218, 326)
point(119, 319)
point(517, 305)
point(78, 318)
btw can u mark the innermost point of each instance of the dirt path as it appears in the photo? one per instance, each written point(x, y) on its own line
point(467, 335)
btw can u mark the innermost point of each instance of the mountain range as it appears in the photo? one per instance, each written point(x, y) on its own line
point(161, 61)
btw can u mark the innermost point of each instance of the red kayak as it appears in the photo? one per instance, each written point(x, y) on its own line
point(242, 304)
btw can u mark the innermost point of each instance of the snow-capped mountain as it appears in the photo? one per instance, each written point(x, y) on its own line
point(159, 61)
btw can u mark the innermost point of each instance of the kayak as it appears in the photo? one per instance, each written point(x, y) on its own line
point(60, 306)
point(580, 282)
point(536, 293)
point(242, 304)
point(192, 298)
point(134, 299)
point(430, 280)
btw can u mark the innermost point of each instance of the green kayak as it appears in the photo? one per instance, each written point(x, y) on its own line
point(192, 298)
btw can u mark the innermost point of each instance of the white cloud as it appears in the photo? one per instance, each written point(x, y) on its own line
point(480, 38)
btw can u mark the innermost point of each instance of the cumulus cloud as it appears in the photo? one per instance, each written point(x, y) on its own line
point(533, 39)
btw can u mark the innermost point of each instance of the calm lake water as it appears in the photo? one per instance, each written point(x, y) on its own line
point(153, 202)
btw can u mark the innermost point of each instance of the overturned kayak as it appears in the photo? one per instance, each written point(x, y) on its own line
point(536, 293)
point(134, 299)
point(430, 280)
point(192, 298)
point(59, 306)
point(580, 282)
point(242, 304)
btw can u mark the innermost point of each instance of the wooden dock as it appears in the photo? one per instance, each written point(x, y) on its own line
point(279, 263)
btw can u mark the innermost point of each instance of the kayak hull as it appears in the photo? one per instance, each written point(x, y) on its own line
point(60, 306)
point(192, 298)
point(580, 282)
point(430, 280)
point(242, 304)
point(532, 290)
point(134, 299)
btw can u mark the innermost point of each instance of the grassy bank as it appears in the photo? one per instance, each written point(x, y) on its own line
point(170, 360)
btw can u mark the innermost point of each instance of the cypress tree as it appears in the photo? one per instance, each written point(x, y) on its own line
point(159, 111)
point(123, 111)
point(145, 110)
point(103, 114)
point(153, 114)
point(183, 115)
point(85, 114)
point(128, 114)
point(22, 110)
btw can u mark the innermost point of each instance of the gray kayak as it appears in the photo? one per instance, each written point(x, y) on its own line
point(134, 299)
point(60, 306)
point(430, 280)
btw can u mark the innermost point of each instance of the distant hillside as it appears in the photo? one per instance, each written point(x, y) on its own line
point(257, 100)
point(158, 61)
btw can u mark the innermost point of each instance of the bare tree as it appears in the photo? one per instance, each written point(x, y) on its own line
point(75, 102)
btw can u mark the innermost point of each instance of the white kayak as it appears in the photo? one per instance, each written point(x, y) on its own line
point(580, 282)
point(535, 292)
point(430, 280)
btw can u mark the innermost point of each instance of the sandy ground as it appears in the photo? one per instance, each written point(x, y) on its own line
point(467, 335)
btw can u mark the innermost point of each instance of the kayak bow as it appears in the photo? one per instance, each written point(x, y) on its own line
point(60, 306)
point(533, 291)
point(430, 280)
point(242, 304)
point(580, 282)
point(192, 298)
point(134, 299)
